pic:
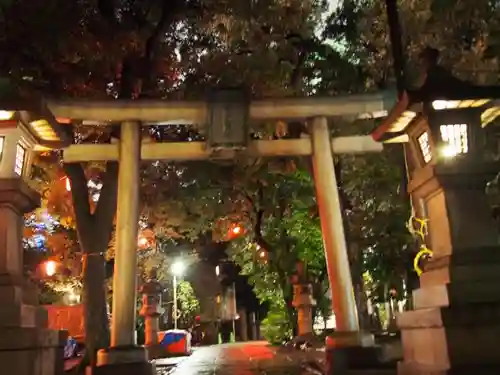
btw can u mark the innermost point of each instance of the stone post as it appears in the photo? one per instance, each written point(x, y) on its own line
point(303, 301)
point(124, 356)
point(27, 347)
point(454, 327)
point(151, 311)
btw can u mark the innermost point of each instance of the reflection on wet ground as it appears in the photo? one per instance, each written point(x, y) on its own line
point(248, 358)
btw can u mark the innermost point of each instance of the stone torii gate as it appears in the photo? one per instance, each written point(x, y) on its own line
point(225, 116)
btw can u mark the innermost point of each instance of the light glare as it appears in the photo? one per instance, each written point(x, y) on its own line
point(50, 268)
point(449, 151)
point(6, 115)
point(177, 268)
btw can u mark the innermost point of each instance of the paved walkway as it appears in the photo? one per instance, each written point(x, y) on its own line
point(248, 358)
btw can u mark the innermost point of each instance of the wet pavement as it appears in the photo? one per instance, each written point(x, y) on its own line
point(249, 358)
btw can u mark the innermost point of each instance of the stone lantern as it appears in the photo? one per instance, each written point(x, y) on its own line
point(25, 123)
point(456, 320)
point(304, 302)
point(151, 311)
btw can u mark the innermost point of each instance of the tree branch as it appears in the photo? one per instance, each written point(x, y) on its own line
point(79, 195)
point(169, 11)
point(259, 221)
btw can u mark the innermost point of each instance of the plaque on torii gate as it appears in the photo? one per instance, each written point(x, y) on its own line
point(227, 122)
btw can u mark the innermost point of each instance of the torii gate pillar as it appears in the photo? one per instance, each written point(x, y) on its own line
point(332, 227)
point(124, 356)
point(347, 345)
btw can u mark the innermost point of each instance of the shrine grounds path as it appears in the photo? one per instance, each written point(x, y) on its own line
point(246, 358)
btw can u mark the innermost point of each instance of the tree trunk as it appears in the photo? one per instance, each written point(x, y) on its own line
point(376, 321)
point(94, 230)
point(356, 259)
point(361, 303)
point(95, 304)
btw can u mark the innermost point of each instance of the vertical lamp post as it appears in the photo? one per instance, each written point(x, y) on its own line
point(177, 270)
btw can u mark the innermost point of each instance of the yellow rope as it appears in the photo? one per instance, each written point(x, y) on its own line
point(419, 232)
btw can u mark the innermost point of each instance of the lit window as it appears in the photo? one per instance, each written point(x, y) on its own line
point(455, 136)
point(425, 148)
point(20, 154)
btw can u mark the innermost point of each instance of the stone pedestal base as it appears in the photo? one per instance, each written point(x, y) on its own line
point(27, 347)
point(456, 322)
point(351, 350)
point(32, 351)
point(127, 360)
point(441, 339)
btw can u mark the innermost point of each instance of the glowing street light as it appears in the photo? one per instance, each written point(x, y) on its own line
point(236, 230)
point(177, 268)
point(50, 268)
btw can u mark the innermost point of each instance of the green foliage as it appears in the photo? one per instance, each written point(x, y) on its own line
point(276, 327)
point(188, 304)
point(282, 229)
point(376, 220)
point(464, 31)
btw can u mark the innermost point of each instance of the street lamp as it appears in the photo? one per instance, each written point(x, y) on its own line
point(177, 270)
